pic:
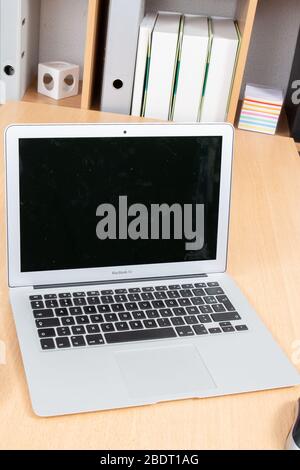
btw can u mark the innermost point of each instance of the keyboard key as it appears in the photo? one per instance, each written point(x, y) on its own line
point(166, 312)
point(219, 308)
point(227, 316)
point(161, 288)
point(147, 296)
point(198, 292)
point(78, 341)
point(93, 293)
point(37, 304)
point(150, 324)
point(125, 316)
point(158, 304)
point(136, 325)
point(187, 286)
point(241, 328)
point(225, 323)
point(184, 302)
point(139, 315)
point(80, 301)
point(200, 330)
point(78, 294)
point(177, 321)
point(103, 308)
point(51, 303)
point(214, 291)
point(118, 307)
point(121, 291)
point(191, 320)
point(163, 322)
point(96, 318)
point(179, 311)
point(148, 289)
point(68, 321)
point(93, 300)
point(134, 290)
point(94, 340)
point(63, 331)
point(64, 295)
point(78, 330)
point(61, 312)
point(145, 305)
point(173, 294)
point(92, 329)
point(131, 306)
point(171, 303)
point(47, 323)
point(210, 299)
point(89, 309)
point(50, 296)
point(175, 287)
point(47, 333)
point(215, 330)
point(186, 293)
point(160, 295)
point(223, 299)
point(76, 310)
point(122, 326)
point(198, 300)
point(67, 302)
point(228, 329)
point(184, 331)
point(107, 299)
point(106, 292)
point(200, 285)
point(82, 320)
point(110, 317)
point(63, 343)
point(134, 297)
point(46, 313)
point(140, 335)
point(120, 298)
point(192, 310)
point(204, 319)
point(107, 327)
point(35, 297)
point(213, 284)
point(205, 309)
point(47, 344)
point(152, 314)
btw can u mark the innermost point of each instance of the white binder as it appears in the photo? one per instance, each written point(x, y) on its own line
point(124, 19)
point(19, 40)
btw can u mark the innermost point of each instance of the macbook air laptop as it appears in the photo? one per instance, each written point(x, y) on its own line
point(117, 249)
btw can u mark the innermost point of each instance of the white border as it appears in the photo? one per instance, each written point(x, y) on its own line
point(15, 132)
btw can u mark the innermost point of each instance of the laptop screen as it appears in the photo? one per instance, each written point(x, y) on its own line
point(105, 202)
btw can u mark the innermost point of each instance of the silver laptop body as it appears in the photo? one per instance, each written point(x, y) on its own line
point(116, 322)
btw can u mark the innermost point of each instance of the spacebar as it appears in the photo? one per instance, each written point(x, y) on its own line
point(140, 335)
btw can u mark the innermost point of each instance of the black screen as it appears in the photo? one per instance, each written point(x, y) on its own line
point(64, 180)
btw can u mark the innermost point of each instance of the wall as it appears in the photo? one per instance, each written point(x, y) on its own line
point(62, 37)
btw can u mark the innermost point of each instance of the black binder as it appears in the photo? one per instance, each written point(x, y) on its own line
point(292, 101)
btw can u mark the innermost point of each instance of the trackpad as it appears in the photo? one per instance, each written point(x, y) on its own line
point(164, 372)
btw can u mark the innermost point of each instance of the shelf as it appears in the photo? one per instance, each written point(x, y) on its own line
point(32, 96)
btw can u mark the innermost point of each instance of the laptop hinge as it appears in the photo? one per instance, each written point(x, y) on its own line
point(120, 281)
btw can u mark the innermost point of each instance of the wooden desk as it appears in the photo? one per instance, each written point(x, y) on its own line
point(264, 259)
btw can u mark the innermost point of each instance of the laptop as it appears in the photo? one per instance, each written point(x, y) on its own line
point(117, 249)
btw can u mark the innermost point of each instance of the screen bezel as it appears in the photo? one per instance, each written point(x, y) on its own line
point(16, 278)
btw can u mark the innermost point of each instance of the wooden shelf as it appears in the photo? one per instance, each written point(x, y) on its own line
point(33, 96)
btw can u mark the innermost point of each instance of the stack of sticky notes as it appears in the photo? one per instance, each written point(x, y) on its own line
point(261, 109)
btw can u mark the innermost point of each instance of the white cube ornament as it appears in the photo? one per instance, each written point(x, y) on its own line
point(58, 80)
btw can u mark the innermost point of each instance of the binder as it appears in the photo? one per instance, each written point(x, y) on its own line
point(191, 69)
point(164, 53)
point(19, 40)
point(142, 60)
point(124, 19)
point(292, 101)
point(222, 62)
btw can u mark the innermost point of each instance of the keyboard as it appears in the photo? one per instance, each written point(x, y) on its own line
point(96, 318)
